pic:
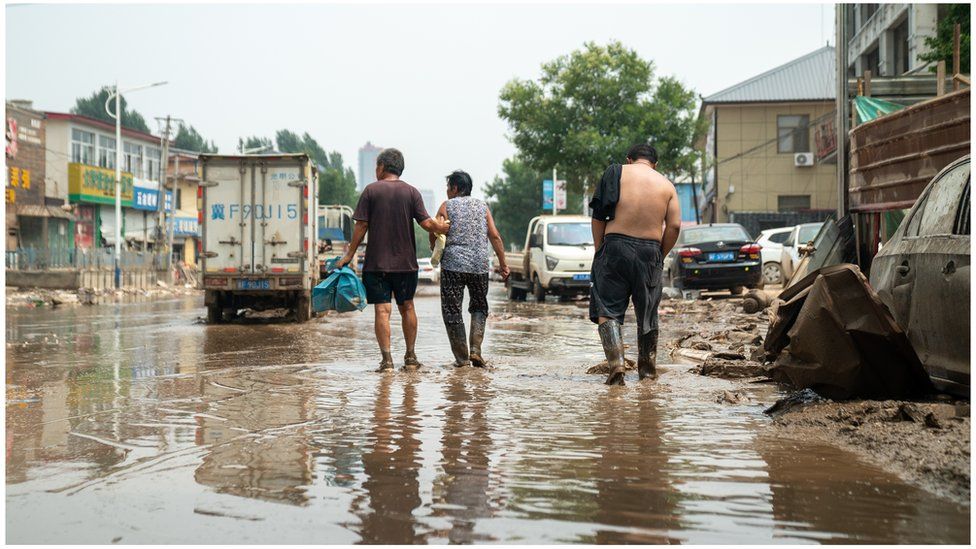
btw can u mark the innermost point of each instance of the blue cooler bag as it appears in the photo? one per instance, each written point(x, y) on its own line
point(342, 291)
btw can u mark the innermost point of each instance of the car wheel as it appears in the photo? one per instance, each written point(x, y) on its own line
point(737, 290)
point(772, 273)
point(538, 291)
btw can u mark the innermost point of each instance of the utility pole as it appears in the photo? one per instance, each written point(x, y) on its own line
point(160, 193)
point(843, 109)
point(172, 218)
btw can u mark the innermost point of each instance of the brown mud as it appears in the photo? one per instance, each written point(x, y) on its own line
point(925, 443)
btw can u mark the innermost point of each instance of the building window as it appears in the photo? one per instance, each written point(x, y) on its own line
point(179, 199)
point(901, 48)
point(152, 163)
point(793, 202)
point(106, 152)
point(872, 60)
point(867, 12)
point(794, 133)
point(82, 147)
point(132, 159)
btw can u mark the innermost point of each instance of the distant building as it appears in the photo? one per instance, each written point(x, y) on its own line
point(888, 38)
point(80, 169)
point(367, 164)
point(429, 201)
point(760, 169)
point(183, 173)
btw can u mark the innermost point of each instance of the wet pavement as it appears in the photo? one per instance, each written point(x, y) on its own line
point(136, 423)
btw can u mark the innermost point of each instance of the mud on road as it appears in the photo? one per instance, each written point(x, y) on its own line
point(926, 443)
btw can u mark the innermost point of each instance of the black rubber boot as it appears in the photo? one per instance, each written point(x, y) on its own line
point(478, 321)
point(387, 362)
point(459, 344)
point(647, 355)
point(410, 361)
point(613, 347)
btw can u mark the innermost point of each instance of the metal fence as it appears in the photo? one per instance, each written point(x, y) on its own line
point(40, 259)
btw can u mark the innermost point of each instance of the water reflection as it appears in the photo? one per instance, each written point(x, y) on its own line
point(461, 493)
point(288, 426)
point(391, 465)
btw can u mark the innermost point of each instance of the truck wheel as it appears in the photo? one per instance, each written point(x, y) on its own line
point(303, 309)
point(538, 292)
point(215, 314)
point(737, 290)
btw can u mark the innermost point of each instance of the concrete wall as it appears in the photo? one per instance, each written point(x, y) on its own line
point(57, 158)
point(761, 176)
point(877, 32)
point(98, 279)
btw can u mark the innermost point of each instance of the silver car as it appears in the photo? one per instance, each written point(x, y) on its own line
point(922, 275)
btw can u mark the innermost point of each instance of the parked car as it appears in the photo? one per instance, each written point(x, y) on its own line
point(772, 241)
point(922, 276)
point(714, 257)
point(428, 273)
point(801, 235)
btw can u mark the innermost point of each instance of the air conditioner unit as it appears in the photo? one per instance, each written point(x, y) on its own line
point(802, 160)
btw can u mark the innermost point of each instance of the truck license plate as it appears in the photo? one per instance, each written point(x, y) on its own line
point(581, 276)
point(259, 284)
point(722, 256)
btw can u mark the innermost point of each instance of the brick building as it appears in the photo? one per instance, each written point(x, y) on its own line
point(31, 220)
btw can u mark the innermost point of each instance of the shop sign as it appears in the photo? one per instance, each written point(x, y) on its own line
point(97, 185)
point(146, 199)
point(17, 178)
point(185, 226)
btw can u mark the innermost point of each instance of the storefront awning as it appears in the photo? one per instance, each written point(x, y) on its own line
point(36, 210)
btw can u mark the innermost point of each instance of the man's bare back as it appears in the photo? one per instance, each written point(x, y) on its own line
point(646, 197)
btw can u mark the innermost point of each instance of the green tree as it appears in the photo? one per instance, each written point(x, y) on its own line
point(940, 46)
point(189, 139)
point(337, 183)
point(253, 142)
point(587, 108)
point(422, 240)
point(514, 199)
point(94, 106)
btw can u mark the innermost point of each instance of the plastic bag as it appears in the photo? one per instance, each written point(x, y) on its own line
point(438, 251)
point(342, 291)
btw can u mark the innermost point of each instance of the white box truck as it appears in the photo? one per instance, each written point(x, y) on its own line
point(259, 244)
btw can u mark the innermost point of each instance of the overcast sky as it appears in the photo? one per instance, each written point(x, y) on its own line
point(421, 78)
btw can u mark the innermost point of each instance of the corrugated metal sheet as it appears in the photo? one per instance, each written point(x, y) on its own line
point(808, 78)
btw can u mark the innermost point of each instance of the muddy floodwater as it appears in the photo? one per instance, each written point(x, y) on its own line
point(136, 423)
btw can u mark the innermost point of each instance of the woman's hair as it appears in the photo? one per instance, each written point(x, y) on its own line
point(460, 181)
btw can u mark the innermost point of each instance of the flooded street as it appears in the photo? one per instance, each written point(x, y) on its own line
point(136, 423)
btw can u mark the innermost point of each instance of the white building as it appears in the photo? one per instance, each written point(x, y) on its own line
point(80, 169)
point(888, 38)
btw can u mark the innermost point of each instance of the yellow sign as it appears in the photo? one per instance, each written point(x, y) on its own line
point(92, 184)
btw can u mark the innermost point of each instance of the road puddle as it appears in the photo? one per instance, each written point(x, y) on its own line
point(134, 422)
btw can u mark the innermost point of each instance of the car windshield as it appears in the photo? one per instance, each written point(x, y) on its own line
point(698, 235)
point(570, 234)
point(808, 233)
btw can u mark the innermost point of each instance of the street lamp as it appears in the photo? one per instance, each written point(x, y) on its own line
point(117, 115)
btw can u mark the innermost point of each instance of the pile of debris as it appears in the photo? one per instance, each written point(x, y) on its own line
point(39, 297)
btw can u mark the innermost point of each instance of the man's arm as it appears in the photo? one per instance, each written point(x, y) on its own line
point(358, 232)
point(441, 214)
point(496, 242)
point(437, 226)
point(672, 223)
point(599, 228)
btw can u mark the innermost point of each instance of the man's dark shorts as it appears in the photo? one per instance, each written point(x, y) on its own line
point(624, 268)
point(380, 285)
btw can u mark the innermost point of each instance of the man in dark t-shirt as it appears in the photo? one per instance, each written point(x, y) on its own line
point(387, 209)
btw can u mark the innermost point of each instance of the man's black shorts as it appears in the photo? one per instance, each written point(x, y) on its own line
point(380, 285)
point(623, 268)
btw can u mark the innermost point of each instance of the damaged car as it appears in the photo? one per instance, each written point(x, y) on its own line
point(922, 276)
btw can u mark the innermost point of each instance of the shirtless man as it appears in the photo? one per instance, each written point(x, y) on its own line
point(636, 220)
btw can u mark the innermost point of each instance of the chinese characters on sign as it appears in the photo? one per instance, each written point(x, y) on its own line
point(17, 177)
